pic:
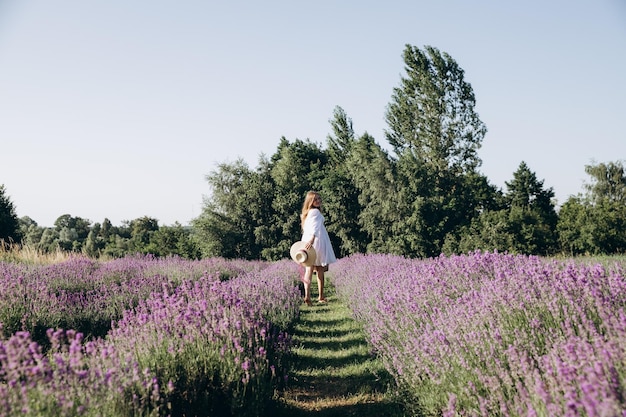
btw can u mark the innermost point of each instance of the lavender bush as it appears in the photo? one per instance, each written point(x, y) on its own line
point(494, 334)
point(86, 295)
point(219, 345)
point(73, 379)
point(190, 341)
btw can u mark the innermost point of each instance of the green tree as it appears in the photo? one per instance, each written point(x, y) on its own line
point(73, 232)
point(435, 132)
point(489, 231)
point(608, 182)
point(609, 220)
point(341, 203)
point(173, 240)
point(31, 232)
point(49, 242)
point(342, 139)
point(95, 243)
point(255, 214)
point(117, 239)
point(532, 215)
point(295, 168)
point(523, 220)
point(105, 230)
point(117, 247)
point(224, 228)
point(261, 194)
point(596, 222)
point(575, 227)
point(484, 221)
point(607, 194)
point(142, 230)
point(432, 114)
point(372, 172)
point(9, 222)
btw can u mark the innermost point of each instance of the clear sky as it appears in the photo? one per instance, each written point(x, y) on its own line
point(119, 109)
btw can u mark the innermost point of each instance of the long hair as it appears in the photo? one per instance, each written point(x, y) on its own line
point(307, 205)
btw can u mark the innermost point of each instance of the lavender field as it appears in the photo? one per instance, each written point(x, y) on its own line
point(141, 336)
point(487, 334)
point(494, 334)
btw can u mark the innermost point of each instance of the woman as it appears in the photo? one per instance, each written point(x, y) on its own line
point(315, 234)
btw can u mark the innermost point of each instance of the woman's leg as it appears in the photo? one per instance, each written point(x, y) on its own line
point(319, 271)
point(306, 279)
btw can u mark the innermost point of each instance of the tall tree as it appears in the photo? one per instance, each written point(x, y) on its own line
point(342, 138)
point(526, 191)
point(435, 133)
point(372, 172)
point(9, 222)
point(432, 114)
point(342, 196)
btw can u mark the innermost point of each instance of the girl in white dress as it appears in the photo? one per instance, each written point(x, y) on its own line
point(315, 234)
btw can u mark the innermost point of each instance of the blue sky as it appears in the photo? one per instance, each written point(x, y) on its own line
point(119, 109)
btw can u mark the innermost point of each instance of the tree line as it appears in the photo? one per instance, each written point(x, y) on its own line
point(424, 197)
point(78, 235)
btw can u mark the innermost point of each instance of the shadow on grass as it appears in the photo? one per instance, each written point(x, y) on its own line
point(313, 362)
point(379, 409)
point(324, 333)
point(333, 370)
point(342, 344)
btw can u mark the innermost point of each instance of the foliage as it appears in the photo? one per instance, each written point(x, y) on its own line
point(431, 116)
point(427, 199)
point(595, 223)
point(187, 337)
point(608, 182)
point(435, 132)
point(494, 334)
point(341, 193)
point(75, 235)
point(522, 220)
point(9, 223)
point(532, 215)
point(372, 172)
point(255, 214)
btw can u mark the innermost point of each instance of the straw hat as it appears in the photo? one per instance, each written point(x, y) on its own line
point(302, 255)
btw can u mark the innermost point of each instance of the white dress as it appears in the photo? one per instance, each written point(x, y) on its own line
point(314, 225)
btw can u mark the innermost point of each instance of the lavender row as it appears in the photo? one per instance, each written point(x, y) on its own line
point(205, 347)
point(86, 295)
point(494, 334)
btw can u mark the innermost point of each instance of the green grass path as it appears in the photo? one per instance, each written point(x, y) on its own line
point(333, 371)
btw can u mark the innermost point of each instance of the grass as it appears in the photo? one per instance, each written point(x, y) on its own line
point(29, 255)
point(334, 372)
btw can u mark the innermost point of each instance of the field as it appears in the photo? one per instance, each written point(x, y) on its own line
point(144, 337)
point(484, 334)
point(494, 334)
